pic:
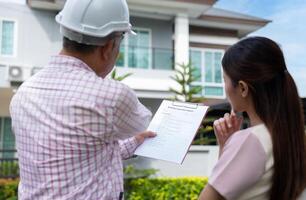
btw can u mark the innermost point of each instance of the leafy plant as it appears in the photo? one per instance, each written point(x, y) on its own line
point(131, 172)
point(8, 189)
point(203, 138)
point(115, 76)
point(185, 76)
point(165, 188)
point(9, 169)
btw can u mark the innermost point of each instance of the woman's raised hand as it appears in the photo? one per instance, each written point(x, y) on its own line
point(226, 126)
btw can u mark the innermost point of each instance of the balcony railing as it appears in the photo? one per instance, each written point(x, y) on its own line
point(146, 58)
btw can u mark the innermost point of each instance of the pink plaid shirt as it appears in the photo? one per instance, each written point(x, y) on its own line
point(72, 130)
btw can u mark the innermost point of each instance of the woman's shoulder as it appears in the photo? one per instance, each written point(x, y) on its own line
point(242, 163)
point(259, 133)
point(262, 133)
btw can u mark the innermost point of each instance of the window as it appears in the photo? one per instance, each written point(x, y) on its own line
point(207, 63)
point(7, 137)
point(135, 51)
point(7, 37)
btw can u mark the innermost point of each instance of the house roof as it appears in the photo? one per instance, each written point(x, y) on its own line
point(209, 2)
point(225, 19)
point(218, 14)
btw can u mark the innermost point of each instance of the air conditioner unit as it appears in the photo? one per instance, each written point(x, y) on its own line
point(15, 73)
point(35, 70)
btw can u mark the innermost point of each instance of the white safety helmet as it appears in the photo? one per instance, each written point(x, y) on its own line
point(92, 21)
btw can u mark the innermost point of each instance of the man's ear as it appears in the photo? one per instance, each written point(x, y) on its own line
point(243, 88)
point(107, 50)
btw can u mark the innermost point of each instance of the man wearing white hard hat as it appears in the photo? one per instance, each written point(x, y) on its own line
point(72, 125)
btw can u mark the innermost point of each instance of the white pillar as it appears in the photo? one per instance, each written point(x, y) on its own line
point(181, 39)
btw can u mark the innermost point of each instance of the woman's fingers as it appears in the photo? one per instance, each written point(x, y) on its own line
point(223, 126)
point(228, 120)
point(217, 127)
point(226, 126)
point(237, 121)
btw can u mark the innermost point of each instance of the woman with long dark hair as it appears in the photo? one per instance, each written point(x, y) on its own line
point(266, 161)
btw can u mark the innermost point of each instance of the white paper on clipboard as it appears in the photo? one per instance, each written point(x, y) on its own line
point(176, 124)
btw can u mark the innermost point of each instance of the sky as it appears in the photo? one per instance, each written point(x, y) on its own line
point(288, 29)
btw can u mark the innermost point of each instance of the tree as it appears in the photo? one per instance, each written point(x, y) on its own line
point(185, 76)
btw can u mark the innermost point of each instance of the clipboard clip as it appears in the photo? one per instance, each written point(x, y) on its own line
point(185, 105)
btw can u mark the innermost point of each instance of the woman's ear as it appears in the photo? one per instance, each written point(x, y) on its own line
point(243, 88)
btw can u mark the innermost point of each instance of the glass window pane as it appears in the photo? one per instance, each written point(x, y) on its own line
point(213, 91)
point(195, 59)
point(208, 67)
point(143, 39)
point(138, 51)
point(8, 139)
point(163, 59)
point(7, 40)
point(121, 56)
point(217, 66)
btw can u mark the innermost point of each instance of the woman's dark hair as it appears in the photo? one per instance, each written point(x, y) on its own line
point(260, 63)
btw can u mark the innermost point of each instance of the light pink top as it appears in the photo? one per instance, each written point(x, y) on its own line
point(72, 130)
point(245, 168)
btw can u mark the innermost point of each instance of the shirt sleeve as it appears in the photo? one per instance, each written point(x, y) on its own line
point(240, 166)
point(130, 116)
point(128, 147)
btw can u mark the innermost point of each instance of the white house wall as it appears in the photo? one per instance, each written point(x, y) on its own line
point(161, 30)
point(37, 38)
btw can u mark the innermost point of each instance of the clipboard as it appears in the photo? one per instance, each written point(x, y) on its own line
point(176, 124)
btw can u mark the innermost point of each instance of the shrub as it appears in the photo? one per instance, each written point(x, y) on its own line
point(187, 188)
point(130, 172)
point(9, 169)
point(8, 189)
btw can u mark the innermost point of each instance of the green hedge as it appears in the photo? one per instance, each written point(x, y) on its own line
point(8, 189)
point(9, 169)
point(187, 188)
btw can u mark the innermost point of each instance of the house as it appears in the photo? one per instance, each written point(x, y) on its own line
point(169, 32)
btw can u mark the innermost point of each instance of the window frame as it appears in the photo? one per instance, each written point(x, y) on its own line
point(15, 37)
point(126, 47)
point(203, 81)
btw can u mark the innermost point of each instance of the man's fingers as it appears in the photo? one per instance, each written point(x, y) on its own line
point(149, 134)
point(142, 136)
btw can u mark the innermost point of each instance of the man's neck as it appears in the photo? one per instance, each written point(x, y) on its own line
point(87, 59)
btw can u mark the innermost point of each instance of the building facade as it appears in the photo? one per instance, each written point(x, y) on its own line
point(169, 32)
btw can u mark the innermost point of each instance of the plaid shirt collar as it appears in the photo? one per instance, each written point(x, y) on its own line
point(64, 60)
